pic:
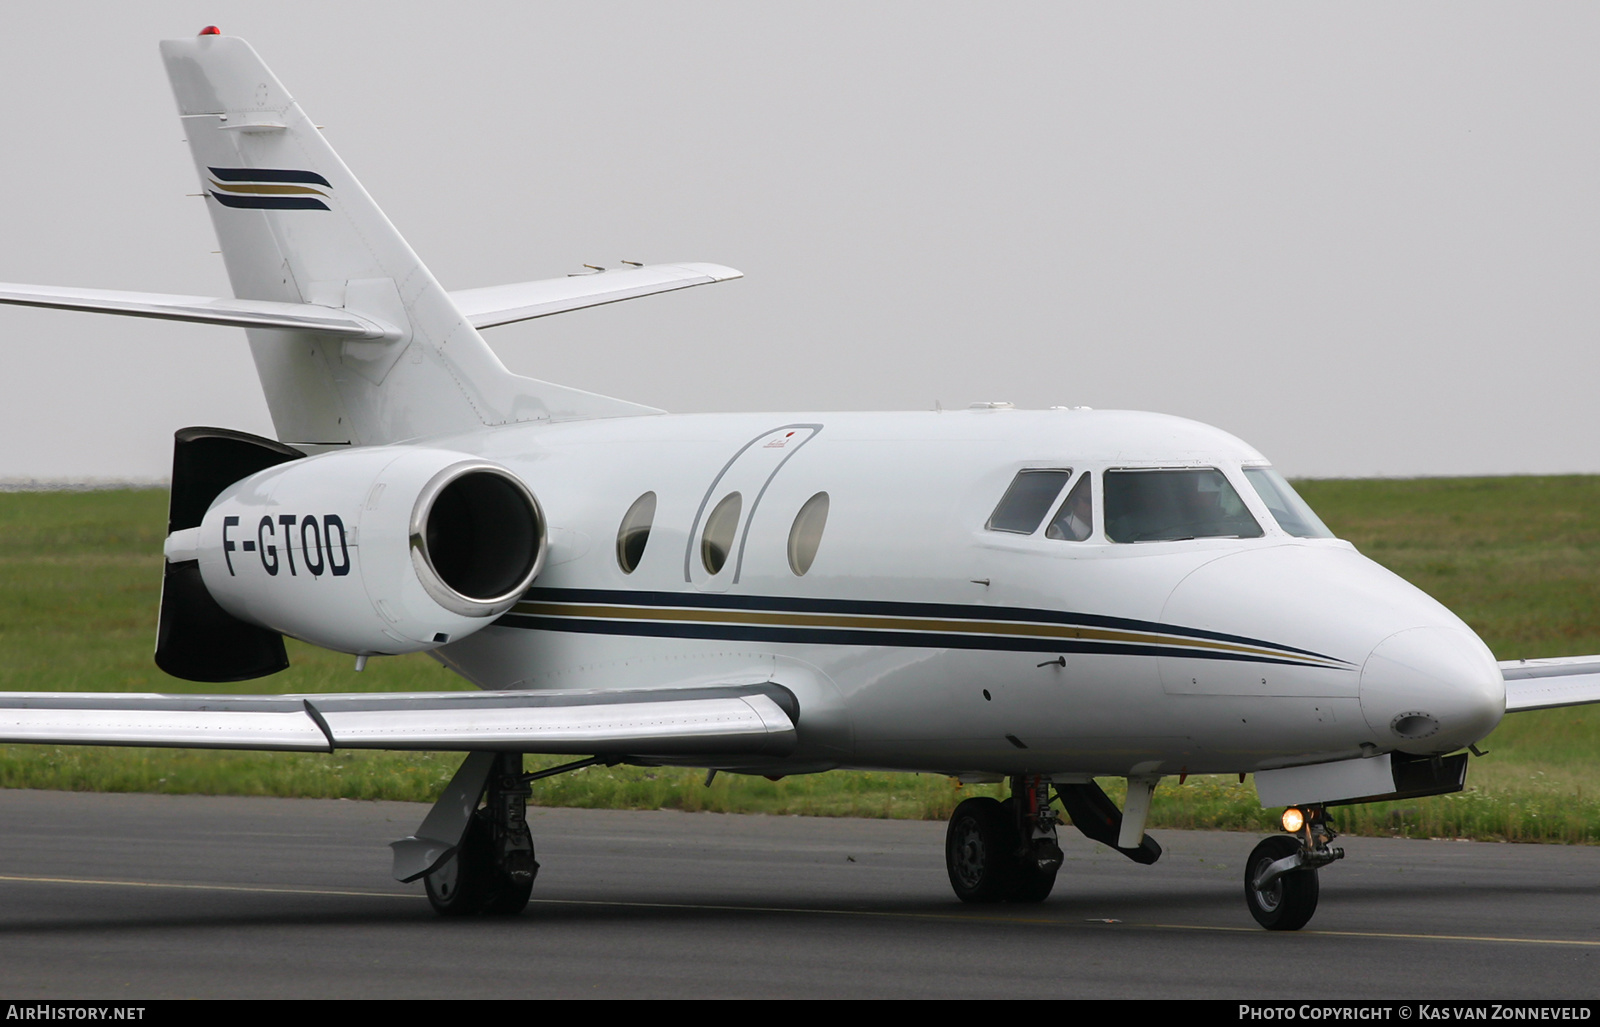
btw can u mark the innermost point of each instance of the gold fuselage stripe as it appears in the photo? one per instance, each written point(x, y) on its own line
point(264, 189)
point(874, 623)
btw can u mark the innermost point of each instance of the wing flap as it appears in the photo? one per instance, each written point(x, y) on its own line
point(292, 317)
point(505, 304)
point(732, 724)
point(1547, 684)
point(757, 718)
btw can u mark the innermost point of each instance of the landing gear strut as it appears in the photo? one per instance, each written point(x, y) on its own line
point(1004, 851)
point(493, 868)
point(1280, 877)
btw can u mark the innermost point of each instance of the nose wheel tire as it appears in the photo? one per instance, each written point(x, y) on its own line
point(1288, 903)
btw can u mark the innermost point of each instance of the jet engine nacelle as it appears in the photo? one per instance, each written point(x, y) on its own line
point(386, 550)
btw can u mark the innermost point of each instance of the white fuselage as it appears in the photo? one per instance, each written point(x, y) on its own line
point(916, 637)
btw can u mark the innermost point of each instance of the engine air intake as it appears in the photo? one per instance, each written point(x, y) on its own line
point(477, 539)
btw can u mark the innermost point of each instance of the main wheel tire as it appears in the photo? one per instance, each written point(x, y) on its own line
point(1028, 882)
point(1031, 884)
point(977, 851)
point(506, 896)
point(1288, 903)
point(466, 881)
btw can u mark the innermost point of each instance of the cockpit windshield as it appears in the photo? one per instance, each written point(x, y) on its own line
point(1288, 509)
point(1167, 504)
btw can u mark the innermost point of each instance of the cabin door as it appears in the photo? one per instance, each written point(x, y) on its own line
point(714, 555)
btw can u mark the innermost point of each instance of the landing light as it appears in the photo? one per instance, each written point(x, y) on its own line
point(1293, 820)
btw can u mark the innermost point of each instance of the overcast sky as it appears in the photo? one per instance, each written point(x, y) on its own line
point(1363, 237)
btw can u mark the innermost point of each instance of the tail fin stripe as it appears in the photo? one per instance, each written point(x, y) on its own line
point(258, 189)
point(270, 202)
point(269, 175)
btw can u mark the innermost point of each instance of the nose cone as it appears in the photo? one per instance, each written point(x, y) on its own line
point(1424, 682)
point(1431, 690)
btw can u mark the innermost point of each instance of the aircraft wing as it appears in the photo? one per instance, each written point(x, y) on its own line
point(748, 718)
point(504, 304)
point(295, 317)
point(1545, 684)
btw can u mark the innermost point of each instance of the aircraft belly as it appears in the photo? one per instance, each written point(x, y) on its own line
point(873, 705)
point(1004, 713)
point(960, 710)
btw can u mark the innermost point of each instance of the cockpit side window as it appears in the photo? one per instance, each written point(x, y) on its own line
point(1074, 522)
point(1284, 503)
point(1025, 503)
point(1168, 504)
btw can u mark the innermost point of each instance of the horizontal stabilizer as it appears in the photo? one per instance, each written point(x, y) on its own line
point(756, 719)
point(505, 304)
point(1546, 684)
point(289, 317)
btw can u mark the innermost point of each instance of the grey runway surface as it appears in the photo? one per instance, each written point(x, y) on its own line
point(145, 896)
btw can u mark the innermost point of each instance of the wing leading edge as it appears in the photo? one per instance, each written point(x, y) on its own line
point(756, 718)
point(506, 304)
point(287, 317)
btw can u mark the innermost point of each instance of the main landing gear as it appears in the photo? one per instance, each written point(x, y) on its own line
point(1004, 851)
point(1008, 851)
point(473, 851)
point(492, 869)
point(1280, 877)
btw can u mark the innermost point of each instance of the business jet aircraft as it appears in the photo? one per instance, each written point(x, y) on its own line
point(1041, 596)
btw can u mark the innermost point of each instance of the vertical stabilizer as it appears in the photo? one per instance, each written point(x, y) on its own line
point(295, 226)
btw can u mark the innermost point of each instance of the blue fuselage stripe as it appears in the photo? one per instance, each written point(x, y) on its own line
point(633, 619)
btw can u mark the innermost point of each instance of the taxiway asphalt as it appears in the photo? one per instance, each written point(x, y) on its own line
point(147, 896)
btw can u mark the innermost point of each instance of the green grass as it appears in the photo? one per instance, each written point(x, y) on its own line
point(1517, 558)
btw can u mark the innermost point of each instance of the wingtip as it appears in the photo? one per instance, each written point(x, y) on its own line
point(715, 272)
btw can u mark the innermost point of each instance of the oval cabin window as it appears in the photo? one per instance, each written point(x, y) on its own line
point(806, 534)
point(635, 532)
point(717, 540)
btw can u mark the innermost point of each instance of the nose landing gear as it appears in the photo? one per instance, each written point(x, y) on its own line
point(1280, 877)
point(1004, 851)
